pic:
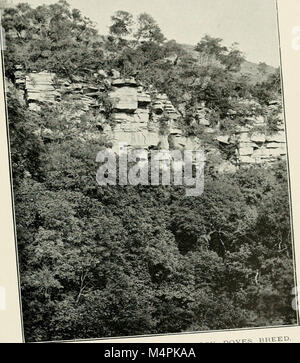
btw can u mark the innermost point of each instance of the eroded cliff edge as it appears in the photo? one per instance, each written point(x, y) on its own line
point(126, 111)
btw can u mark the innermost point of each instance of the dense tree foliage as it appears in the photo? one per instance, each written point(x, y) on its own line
point(53, 37)
point(122, 24)
point(111, 261)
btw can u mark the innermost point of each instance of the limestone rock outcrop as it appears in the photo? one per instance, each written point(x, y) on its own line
point(143, 118)
point(124, 95)
point(39, 89)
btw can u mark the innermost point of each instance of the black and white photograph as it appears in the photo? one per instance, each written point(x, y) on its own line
point(149, 167)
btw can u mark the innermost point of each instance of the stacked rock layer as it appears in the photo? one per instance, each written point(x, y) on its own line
point(147, 120)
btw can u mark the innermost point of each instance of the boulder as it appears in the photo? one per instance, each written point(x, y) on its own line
point(261, 153)
point(34, 107)
point(121, 137)
point(244, 137)
point(144, 98)
point(242, 129)
point(141, 115)
point(247, 144)
point(175, 131)
point(247, 160)
point(276, 152)
point(115, 74)
point(132, 127)
point(283, 150)
point(224, 139)
point(39, 87)
point(279, 137)
point(122, 118)
point(275, 145)
point(246, 151)
point(169, 108)
point(226, 167)
point(138, 139)
point(162, 97)
point(152, 139)
point(120, 82)
point(210, 130)
point(90, 90)
point(124, 99)
point(102, 73)
point(204, 122)
point(258, 137)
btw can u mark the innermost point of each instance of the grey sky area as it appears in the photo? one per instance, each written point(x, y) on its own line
point(251, 23)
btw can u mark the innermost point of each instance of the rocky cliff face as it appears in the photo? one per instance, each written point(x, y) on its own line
point(255, 144)
point(145, 119)
point(136, 117)
point(142, 120)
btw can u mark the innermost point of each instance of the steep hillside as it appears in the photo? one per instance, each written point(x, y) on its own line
point(120, 257)
point(247, 68)
point(252, 69)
